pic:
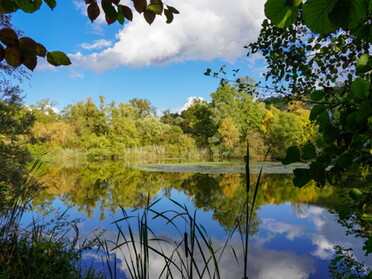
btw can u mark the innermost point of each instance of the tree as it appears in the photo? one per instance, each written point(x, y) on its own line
point(25, 50)
point(318, 51)
point(229, 134)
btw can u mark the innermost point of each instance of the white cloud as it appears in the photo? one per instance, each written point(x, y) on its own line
point(97, 44)
point(75, 74)
point(204, 30)
point(190, 101)
point(291, 231)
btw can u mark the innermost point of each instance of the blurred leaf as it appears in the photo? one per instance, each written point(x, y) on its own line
point(173, 10)
point(301, 177)
point(316, 110)
point(30, 62)
point(169, 15)
point(292, 155)
point(140, 5)
point(317, 95)
point(360, 88)
point(13, 56)
point(149, 16)
point(8, 37)
point(109, 20)
point(27, 46)
point(330, 133)
point(51, 3)
point(356, 194)
point(93, 11)
point(7, 6)
point(364, 64)
point(40, 50)
point(57, 58)
point(28, 6)
point(308, 151)
point(280, 13)
point(127, 12)
point(348, 14)
point(316, 15)
point(345, 160)
point(2, 53)
point(156, 8)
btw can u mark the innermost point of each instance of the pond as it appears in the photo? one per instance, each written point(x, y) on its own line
point(292, 231)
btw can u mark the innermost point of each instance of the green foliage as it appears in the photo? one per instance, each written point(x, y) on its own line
point(25, 50)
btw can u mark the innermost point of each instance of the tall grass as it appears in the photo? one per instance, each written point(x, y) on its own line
point(39, 249)
point(191, 253)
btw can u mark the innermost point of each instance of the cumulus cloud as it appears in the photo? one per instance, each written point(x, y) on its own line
point(98, 44)
point(204, 30)
point(190, 101)
point(291, 231)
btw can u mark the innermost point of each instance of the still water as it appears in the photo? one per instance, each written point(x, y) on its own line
point(292, 231)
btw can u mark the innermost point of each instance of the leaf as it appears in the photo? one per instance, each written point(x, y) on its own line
point(364, 64)
point(8, 37)
point(127, 12)
point(301, 177)
point(30, 62)
point(345, 160)
point(173, 10)
point(109, 9)
point(7, 6)
point(57, 58)
point(93, 11)
point(140, 5)
point(156, 7)
point(317, 95)
point(27, 46)
point(51, 3)
point(316, 110)
point(13, 56)
point(330, 133)
point(308, 151)
point(360, 88)
point(169, 15)
point(316, 15)
point(2, 53)
point(348, 14)
point(40, 50)
point(292, 155)
point(120, 18)
point(110, 20)
point(149, 16)
point(280, 13)
point(28, 6)
point(317, 173)
point(356, 194)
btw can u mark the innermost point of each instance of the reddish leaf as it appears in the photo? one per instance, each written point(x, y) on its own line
point(140, 5)
point(116, 2)
point(149, 16)
point(127, 12)
point(2, 53)
point(27, 46)
point(30, 62)
point(40, 50)
point(13, 56)
point(89, 1)
point(93, 11)
point(110, 20)
point(8, 37)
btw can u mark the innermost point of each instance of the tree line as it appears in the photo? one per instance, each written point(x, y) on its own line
point(220, 127)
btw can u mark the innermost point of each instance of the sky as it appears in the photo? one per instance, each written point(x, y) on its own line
point(162, 62)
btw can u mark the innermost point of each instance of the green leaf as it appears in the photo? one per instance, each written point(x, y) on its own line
point(317, 172)
point(308, 151)
point(348, 14)
point(156, 7)
point(345, 160)
point(51, 3)
point(57, 58)
point(356, 194)
point(364, 64)
point(317, 95)
point(301, 177)
point(173, 10)
point(40, 50)
point(169, 15)
point(316, 15)
point(7, 6)
point(360, 88)
point(27, 46)
point(28, 6)
point(292, 155)
point(330, 133)
point(316, 110)
point(280, 13)
point(109, 10)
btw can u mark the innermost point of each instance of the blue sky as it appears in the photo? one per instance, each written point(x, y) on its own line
point(163, 63)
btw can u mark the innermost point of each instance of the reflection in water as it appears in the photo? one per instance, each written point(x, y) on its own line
point(293, 231)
